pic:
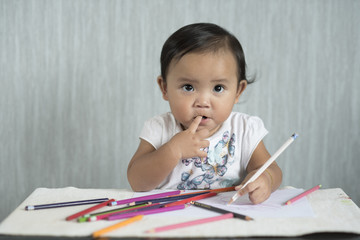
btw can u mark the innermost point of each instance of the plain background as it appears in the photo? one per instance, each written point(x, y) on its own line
point(78, 80)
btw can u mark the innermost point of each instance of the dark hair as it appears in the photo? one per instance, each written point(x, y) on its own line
point(202, 37)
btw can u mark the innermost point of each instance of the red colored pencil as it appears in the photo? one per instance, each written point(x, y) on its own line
point(217, 190)
point(202, 196)
point(76, 215)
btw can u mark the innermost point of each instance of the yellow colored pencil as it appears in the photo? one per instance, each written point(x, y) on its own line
point(116, 226)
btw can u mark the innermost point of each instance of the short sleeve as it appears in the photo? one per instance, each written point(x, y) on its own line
point(254, 132)
point(151, 131)
point(159, 130)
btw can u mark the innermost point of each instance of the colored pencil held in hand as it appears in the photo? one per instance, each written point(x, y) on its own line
point(265, 166)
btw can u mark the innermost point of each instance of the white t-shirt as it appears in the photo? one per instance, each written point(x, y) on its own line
point(229, 152)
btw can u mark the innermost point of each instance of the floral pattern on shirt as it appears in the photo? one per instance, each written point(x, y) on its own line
point(214, 166)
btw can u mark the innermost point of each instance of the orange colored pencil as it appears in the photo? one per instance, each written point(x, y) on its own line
point(116, 226)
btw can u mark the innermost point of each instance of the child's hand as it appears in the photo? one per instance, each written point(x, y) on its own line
point(259, 190)
point(189, 143)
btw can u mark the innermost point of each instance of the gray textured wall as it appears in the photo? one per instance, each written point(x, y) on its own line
point(77, 81)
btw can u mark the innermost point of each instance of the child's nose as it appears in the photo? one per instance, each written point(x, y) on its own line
point(202, 101)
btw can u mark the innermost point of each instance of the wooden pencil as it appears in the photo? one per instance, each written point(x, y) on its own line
point(183, 195)
point(86, 217)
point(265, 166)
point(133, 210)
point(303, 194)
point(66, 204)
point(88, 210)
point(190, 223)
point(116, 226)
point(170, 199)
point(187, 200)
point(220, 210)
point(143, 198)
point(146, 212)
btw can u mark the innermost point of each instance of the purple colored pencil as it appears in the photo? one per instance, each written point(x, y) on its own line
point(143, 198)
point(147, 212)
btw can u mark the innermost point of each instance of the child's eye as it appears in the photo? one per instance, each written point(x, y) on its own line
point(188, 88)
point(218, 88)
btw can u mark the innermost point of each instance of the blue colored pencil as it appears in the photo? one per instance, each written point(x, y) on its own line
point(66, 204)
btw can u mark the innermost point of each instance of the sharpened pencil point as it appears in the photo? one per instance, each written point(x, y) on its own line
point(230, 202)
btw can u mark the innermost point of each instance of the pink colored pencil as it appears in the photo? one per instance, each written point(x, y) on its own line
point(146, 212)
point(158, 195)
point(307, 192)
point(88, 210)
point(191, 223)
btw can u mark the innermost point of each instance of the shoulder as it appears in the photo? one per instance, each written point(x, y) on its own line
point(247, 126)
point(160, 129)
point(163, 121)
point(245, 120)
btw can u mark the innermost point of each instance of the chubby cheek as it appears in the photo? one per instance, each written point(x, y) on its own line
point(181, 112)
point(222, 112)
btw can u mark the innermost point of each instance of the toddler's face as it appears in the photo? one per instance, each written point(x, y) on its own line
point(202, 84)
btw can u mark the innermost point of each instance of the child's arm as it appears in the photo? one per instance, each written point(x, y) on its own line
point(149, 167)
point(266, 183)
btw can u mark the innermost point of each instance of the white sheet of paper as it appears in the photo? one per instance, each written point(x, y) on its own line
point(273, 207)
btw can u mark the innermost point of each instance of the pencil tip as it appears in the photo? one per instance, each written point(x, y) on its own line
point(230, 202)
point(247, 218)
